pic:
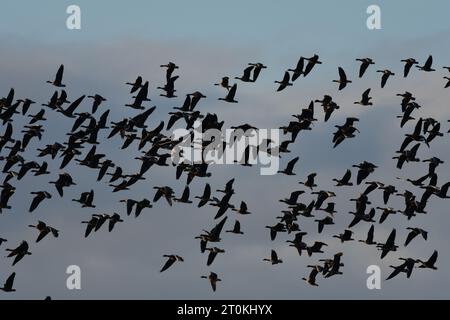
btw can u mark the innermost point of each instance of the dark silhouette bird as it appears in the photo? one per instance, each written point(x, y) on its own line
point(427, 65)
point(369, 238)
point(342, 79)
point(298, 71)
point(345, 180)
point(19, 252)
point(312, 276)
point(135, 85)
point(44, 230)
point(323, 222)
point(172, 258)
point(98, 99)
point(8, 285)
point(430, 263)
point(257, 70)
point(386, 74)
point(206, 196)
point(230, 95)
point(115, 218)
point(225, 83)
point(365, 63)
point(389, 245)
point(365, 169)
point(273, 258)
point(365, 99)
point(38, 198)
point(284, 82)
point(310, 181)
point(184, 197)
point(414, 233)
point(279, 227)
point(246, 77)
point(311, 63)
point(86, 199)
point(407, 266)
point(64, 180)
point(212, 254)
point(408, 64)
point(290, 167)
point(236, 228)
point(242, 209)
point(57, 82)
point(346, 236)
point(213, 279)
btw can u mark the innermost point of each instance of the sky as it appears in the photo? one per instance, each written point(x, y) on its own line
point(210, 39)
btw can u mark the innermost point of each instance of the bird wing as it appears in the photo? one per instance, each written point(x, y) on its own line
point(211, 256)
point(167, 265)
point(59, 74)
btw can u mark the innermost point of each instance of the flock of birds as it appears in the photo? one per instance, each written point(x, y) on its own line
point(156, 145)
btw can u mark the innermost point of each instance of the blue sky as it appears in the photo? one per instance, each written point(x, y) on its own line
point(211, 39)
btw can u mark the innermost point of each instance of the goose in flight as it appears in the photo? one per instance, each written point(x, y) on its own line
point(44, 230)
point(335, 265)
point(298, 71)
point(242, 209)
point(8, 286)
point(86, 199)
point(389, 245)
point(246, 77)
point(171, 259)
point(365, 169)
point(310, 181)
point(236, 228)
point(206, 196)
point(292, 200)
point(19, 252)
point(98, 99)
point(212, 254)
point(257, 69)
point(386, 74)
point(321, 197)
point(427, 66)
point(345, 180)
point(346, 236)
point(165, 191)
point(224, 82)
point(365, 63)
point(115, 218)
point(290, 167)
point(365, 99)
point(414, 233)
point(312, 276)
point(273, 258)
point(170, 68)
point(184, 197)
point(284, 82)
point(311, 63)
point(213, 279)
point(407, 266)
point(279, 227)
point(137, 84)
point(223, 204)
point(408, 64)
point(230, 95)
point(64, 180)
point(315, 248)
point(342, 79)
point(430, 263)
point(57, 82)
point(369, 238)
point(38, 198)
point(323, 222)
